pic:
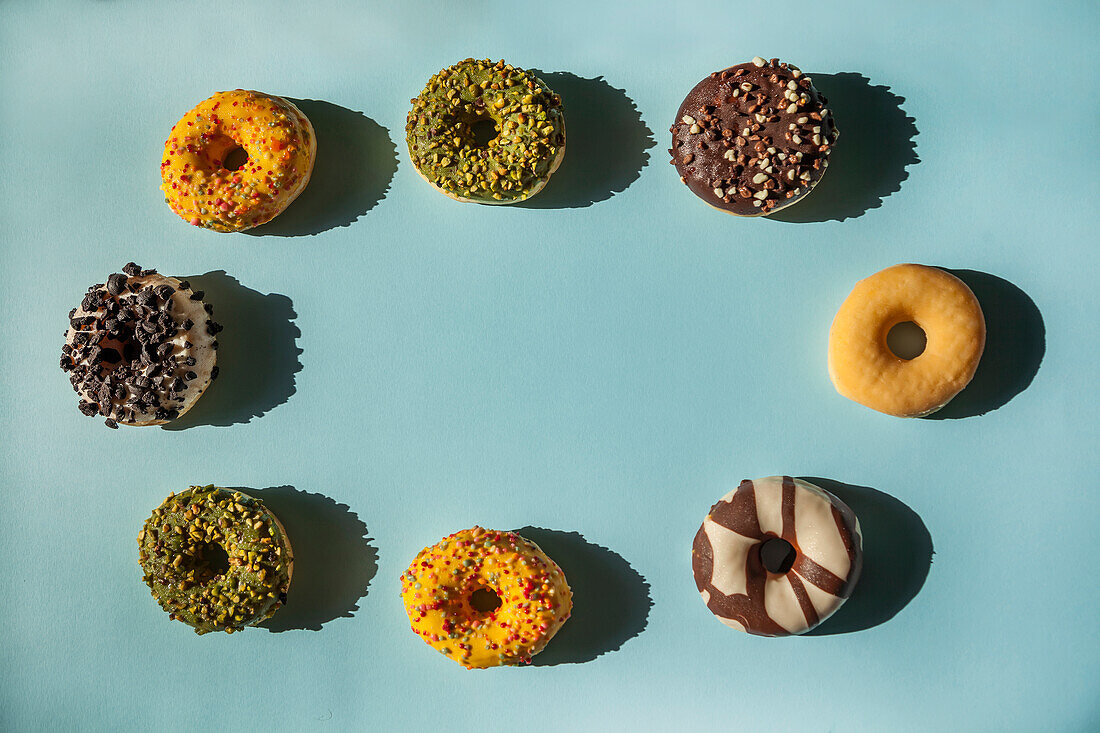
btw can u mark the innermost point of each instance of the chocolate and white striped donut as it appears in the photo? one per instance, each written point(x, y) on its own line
point(777, 556)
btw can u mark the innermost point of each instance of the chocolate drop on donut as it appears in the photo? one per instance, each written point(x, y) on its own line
point(753, 138)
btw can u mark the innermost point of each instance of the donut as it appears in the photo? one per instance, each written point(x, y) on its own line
point(777, 556)
point(278, 140)
point(754, 138)
point(215, 559)
point(141, 348)
point(485, 598)
point(864, 369)
point(513, 166)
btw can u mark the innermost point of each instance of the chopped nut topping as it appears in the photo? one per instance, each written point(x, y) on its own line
point(767, 105)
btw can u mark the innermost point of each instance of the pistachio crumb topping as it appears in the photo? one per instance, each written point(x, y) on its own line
point(215, 559)
point(517, 162)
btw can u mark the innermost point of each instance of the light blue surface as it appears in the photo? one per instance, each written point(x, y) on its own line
point(609, 370)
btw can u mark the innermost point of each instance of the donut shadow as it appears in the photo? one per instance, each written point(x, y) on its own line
point(868, 164)
point(611, 600)
point(356, 160)
point(897, 555)
point(606, 143)
point(257, 353)
point(1015, 342)
point(334, 561)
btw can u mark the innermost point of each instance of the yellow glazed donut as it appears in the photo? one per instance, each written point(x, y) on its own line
point(485, 598)
point(280, 145)
point(864, 369)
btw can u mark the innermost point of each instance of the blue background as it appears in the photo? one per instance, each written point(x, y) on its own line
point(604, 371)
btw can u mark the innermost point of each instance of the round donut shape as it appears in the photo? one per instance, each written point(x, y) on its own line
point(178, 548)
point(512, 167)
point(281, 148)
point(440, 590)
point(753, 139)
point(140, 349)
point(731, 567)
point(861, 364)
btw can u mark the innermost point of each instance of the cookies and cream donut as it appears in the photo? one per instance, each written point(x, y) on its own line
point(141, 348)
point(777, 556)
point(485, 598)
point(216, 559)
point(864, 368)
point(281, 148)
point(513, 166)
point(754, 138)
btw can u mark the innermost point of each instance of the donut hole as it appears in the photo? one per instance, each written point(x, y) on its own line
point(235, 159)
point(777, 555)
point(906, 340)
point(485, 600)
point(483, 130)
point(208, 560)
point(112, 351)
point(118, 348)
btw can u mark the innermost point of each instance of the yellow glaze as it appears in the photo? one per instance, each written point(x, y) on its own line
point(535, 598)
point(864, 369)
point(281, 147)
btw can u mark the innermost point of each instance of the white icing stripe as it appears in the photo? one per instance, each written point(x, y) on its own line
point(818, 536)
point(769, 504)
point(731, 552)
point(782, 604)
point(732, 623)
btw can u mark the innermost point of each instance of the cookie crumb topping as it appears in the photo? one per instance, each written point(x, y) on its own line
point(127, 353)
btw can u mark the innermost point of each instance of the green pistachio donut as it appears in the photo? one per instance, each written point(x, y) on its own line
point(513, 166)
point(215, 559)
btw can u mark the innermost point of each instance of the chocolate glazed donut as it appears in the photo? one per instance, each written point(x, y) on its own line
point(754, 138)
point(743, 587)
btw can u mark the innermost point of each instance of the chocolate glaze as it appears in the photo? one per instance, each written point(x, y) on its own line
point(723, 166)
point(739, 514)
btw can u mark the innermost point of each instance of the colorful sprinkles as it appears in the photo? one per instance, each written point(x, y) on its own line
point(280, 145)
point(440, 591)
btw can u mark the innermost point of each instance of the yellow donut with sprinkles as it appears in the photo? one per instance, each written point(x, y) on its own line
point(486, 598)
point(203, 183)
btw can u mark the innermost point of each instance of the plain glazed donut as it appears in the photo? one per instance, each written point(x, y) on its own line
point(179, 549)
point(864, 369)
point(441, 587)
point(513, 166)
point(141, 349)
point(788, 594)
point(754, 138)
point(280, 145)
